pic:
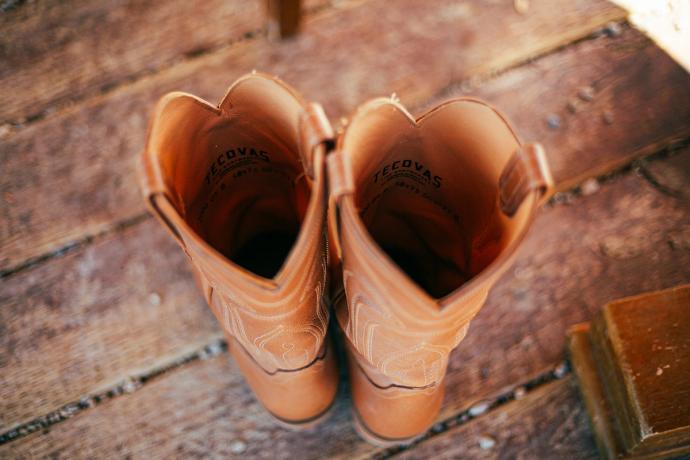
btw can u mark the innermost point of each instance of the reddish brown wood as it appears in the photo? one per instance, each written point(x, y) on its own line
point(602, 246)
point(56, 53)
point(203, 410)
point(122, 305)
point(97, 143)
point(633, 365)
point(549, 422)
point(105, 311)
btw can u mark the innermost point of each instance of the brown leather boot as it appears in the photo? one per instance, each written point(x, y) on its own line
point(427, 216)
point(242, 188)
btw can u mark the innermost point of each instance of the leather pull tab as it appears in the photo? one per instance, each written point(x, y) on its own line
point(314, 130)
point(339, 175)
point(527, 171)
point(163, 209)
point(150, 176)
point(339, 183)
point(155, 192)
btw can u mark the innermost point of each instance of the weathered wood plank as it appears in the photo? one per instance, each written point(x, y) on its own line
point(121, 305)
point(57, 52)
point(599, 105)
point(53, 53)
point(78, 166)
point(203, 410)
point(549, 422)
point(197, 416)
point(608, 244)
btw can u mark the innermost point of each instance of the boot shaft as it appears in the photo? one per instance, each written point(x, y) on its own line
point(242, 187)
point(430, 213)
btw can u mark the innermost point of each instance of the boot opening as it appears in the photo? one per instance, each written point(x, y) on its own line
point(239, 177)
point(427, 193)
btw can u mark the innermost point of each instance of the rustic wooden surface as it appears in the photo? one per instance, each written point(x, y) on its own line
point(549, 422)
point(56, 53)
point(93, 317)
point(201, 411)
point(96, 300)
point(47, 285)
point(339, 59)
point(565, 271)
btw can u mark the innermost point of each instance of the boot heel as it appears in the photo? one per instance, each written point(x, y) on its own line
point(376, 440)
point(307, 424)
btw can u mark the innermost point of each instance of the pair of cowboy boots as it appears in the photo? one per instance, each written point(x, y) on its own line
point(398, 226)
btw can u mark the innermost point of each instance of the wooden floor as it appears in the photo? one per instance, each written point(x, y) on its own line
point(107, 349)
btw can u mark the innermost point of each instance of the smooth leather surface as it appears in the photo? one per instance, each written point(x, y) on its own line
point(243, 191)
point(426, 215)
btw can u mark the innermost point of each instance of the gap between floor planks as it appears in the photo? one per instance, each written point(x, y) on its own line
point(127, 386)
point(219, 345)
point(135, 382)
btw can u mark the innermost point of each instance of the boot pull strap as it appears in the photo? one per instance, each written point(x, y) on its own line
point(161, 206)
point(150, 175)
point(156, 193)
point(314, 130)
point(340, 183)
point(526, 171)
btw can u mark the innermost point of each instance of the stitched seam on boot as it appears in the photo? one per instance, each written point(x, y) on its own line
point(280, 370)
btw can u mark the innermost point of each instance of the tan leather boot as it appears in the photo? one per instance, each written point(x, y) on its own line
point(427, 215)
point(242, 188)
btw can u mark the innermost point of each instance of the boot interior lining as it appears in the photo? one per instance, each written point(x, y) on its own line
point(239, 177)
point(428, 194)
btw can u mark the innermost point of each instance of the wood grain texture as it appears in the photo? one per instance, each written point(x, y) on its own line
point(203, 410)
point(641, 346)
point(550, 422)
point(599, 104)
point(78, 166)
point(605, 245)
point(53, 53)
point(119, 306)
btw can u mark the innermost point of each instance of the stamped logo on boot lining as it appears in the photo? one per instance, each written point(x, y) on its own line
point(410, 169)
